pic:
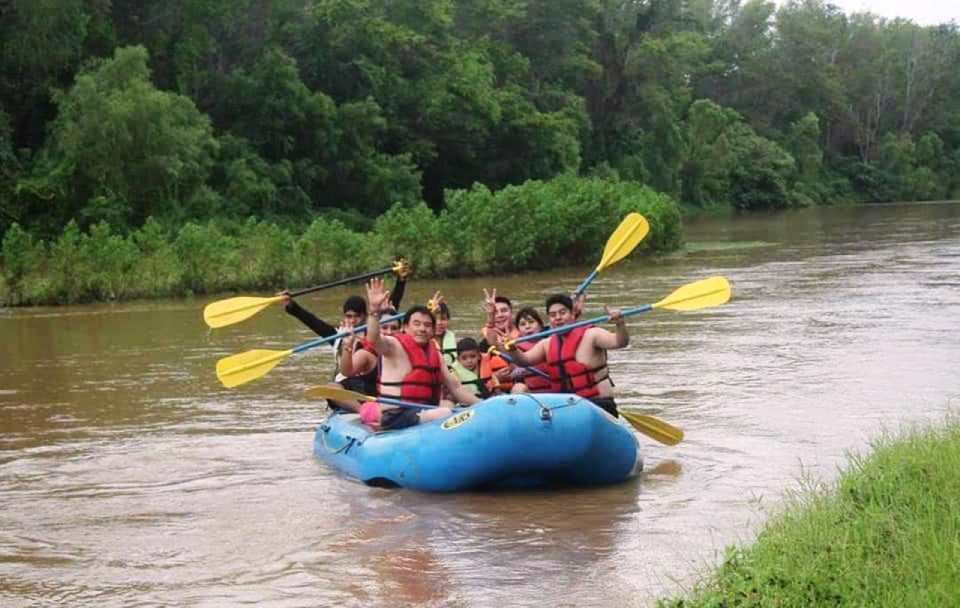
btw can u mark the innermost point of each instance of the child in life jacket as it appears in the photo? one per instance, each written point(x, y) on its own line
point(467, 368)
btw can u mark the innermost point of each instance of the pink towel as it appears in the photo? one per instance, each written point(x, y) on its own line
point(370, 413)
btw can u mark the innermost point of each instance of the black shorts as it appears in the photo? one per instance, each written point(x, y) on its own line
point(399, 418)
point(608, 404)
point(365, 384)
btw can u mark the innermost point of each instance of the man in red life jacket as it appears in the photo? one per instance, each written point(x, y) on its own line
point(412, 368)
point(577, 360)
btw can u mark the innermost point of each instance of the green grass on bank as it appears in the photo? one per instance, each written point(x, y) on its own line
point(887, 534)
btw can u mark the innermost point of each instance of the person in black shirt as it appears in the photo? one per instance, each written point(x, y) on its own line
point(354, 314)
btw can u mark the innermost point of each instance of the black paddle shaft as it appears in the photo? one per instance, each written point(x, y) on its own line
point(359, 277)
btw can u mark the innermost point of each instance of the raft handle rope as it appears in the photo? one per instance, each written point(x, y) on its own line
point(546, 412)
point(346, 446)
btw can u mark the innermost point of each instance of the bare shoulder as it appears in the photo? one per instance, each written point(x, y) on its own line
point(594, 333)
point(388, 345)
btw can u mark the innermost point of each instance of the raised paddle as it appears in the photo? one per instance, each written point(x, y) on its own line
point(623, 240)
point(654, 428)
point(692, 296)
point(342, 394)
point(240, 369)
point(233, 310)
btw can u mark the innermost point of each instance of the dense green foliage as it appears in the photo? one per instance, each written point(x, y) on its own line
point(199, 111)
point(566, 218)
point(887, 535)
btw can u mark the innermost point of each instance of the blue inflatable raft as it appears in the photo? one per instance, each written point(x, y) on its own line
point(510, 441)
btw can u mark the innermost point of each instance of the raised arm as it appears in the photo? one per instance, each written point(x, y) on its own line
point(402, 270)
point(376, 297)
point(534, 356)
point(319, 326)
point(355, 361)
point(612, 340)
point(488, 331)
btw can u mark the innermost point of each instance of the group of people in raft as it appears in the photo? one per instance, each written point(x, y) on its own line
point(420, 360)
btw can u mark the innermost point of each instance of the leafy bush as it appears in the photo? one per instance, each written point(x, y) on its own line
point(538, 224)
point(19, 255)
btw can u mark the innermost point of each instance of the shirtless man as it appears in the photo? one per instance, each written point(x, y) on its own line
point(577, 360)
point(411, 366)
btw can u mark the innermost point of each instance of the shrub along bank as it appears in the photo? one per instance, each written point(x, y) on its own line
point(538, 224)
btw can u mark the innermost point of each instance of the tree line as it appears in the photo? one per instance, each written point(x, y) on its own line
point(113, 112)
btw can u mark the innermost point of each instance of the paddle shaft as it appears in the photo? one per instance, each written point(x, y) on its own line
point(532, 370)
point(359, 277)
point(586, 283)
point(399, 403)
point(624, 239)
point(319, 341)
point(627, 312)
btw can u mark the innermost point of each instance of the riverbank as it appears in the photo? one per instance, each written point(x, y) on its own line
point(886, 534)
point(537, 225)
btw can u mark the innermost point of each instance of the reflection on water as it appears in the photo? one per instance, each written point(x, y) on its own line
point(128, 476)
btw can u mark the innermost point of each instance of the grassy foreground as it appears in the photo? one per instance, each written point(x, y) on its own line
point(887, 534)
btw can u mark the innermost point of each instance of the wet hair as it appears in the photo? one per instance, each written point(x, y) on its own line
point(390, 311)
point(443, 309)
point(421, 309)
point(528, 312)
point(355, 304)
point(503, 300)
point(465, 345)
point(560, 298)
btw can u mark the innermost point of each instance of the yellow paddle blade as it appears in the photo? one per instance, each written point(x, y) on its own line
point(337, 394)
point(694, 296)
point(624, 239)
point(654, 428)
point(233, 310)
point(240, 369)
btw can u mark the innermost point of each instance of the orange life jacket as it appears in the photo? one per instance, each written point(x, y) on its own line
point(422, 384)
point(494, 364)
point(568, 374)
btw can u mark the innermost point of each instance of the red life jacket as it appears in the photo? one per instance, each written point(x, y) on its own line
point(568, 374)
point(422, 383)
point(535, 383)
point(367, 345)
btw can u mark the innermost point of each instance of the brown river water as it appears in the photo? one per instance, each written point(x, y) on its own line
point(130, 477)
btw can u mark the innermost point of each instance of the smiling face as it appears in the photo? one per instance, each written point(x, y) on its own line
point(390, 328)
point(528, 325)
point(354, 318)
point(420, 326)
point(502, 316)
point(559, 315)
